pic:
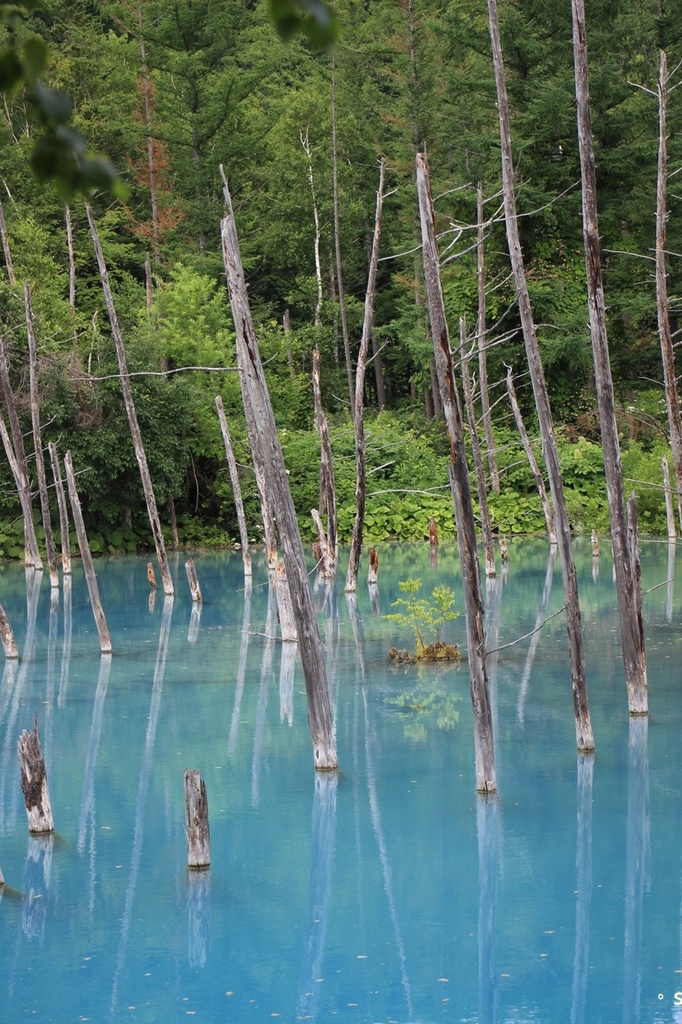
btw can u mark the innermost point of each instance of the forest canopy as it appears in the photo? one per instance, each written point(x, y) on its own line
point(170, 91)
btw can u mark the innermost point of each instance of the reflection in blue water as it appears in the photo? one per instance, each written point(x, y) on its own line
point(390, 892)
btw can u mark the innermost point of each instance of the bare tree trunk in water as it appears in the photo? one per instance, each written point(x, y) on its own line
point(632, 634)
point(312, 657)
point(327, 482)
point(461, 493)
point(530, 455)
point(664, 332)
point(358, 404)
point(140, 455)
point(583, 725)
point(482, 356)
point(307, 149)
point(476, 452)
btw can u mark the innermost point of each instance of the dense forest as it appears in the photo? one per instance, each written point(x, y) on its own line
point(170, 90)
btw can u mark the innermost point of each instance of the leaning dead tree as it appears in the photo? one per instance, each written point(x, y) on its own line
point(530, 455)
point(625, 560)
point(253, 378)
point(359, 397)
point(37, 443)
point(135, 433)
point(329, 539)
point(86, 557)
point(583, 725)
point(236, 486)
point(486, 530)
point(461, 493)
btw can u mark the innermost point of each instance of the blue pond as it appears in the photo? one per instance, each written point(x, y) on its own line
point(390, 892)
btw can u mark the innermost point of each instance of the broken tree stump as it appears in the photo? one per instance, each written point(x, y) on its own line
point(373, 571)
point(433, 533)
point(7, 636)
point(34, 782)
point(193, 581)
point(196, 817)
point(151, 576)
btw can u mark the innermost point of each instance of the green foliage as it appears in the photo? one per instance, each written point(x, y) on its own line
point(425, 618)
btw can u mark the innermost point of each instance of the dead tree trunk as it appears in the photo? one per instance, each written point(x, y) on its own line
point(337, 241)
point(663, 310)
point(193, 580)
point(482, 355)
point(34, 782)
point(358, 402)
point(236, 488)
point(583, 724)
point(476, 452)
point(285, 610)
point(16, 456)
point(669, 512)
point(37, 443)
point(151, 161)
point(86, 557)
point(327, 482)
point(72, 261)
point(319, 706)
point(140, 455)
point(6, 248)
point(9, 644)
point(196, 817)
point(373, 570)
point(530, 455)
point(307, 149)
point(253, 429)
point(63, 511)
point(459, 482)
point(632, 635)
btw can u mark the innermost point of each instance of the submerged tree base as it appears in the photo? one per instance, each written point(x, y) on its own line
point(439, 651)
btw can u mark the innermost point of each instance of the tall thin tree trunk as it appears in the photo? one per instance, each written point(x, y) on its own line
point(664, 332)
point(476, 452)
point(481, 339)
point(583, 724)
point(327, 482)
point(305, 142)
point(337, 242)
point(255, 437)
point(236, 488)
point(312, 658)
point(461, 493)
point(37, 443)
point(632, 634)
point(6, 248)
point(63, 511)
point(151, 163)
point(72, 261)
point(358, 403)
point(530, 455)
point(150, 499)
point(16, 455)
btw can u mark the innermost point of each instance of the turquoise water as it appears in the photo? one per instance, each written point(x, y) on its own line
point(388, 893)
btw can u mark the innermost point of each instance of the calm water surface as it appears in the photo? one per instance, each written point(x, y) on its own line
point(387, 893)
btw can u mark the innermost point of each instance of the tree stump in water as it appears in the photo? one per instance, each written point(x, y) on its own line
point(196, 816)
point(34, 782)
point(7, 636)
point(373, 573)
point(150, 575)
point(193, 581)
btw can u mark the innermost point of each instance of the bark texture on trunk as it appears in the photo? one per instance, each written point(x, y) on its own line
point(632, 634)
point(358, 401)
point(196, 821)
point(319, 705)
point(583, 725)
point(34, 782)
point(461, 493)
